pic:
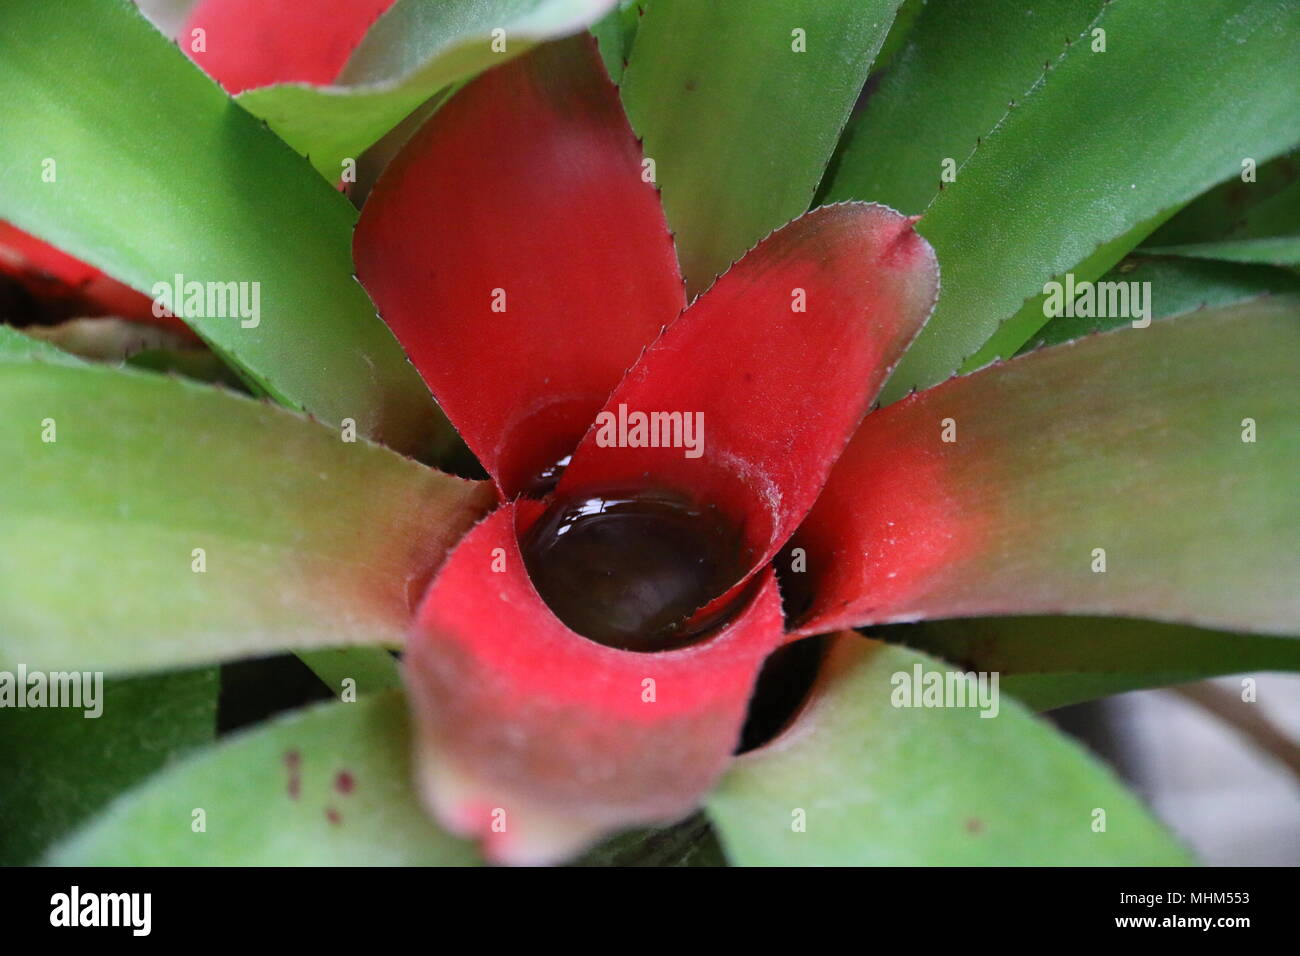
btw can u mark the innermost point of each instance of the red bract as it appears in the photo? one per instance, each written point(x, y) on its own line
point(520, 259)
point(523, 261)
point(248, 43)
point(64, 287)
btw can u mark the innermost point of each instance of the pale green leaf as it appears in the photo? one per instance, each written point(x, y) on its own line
point(859, 781)
point(18, 346)
point(327, 786)
point(169, 523)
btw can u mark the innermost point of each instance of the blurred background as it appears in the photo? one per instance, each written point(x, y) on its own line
point(1217, 787)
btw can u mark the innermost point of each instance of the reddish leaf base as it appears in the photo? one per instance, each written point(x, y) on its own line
point(538, 741)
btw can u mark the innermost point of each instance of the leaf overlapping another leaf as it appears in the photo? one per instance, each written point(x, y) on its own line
point(144, 168)
point(1093, 158)
point(739, 104)
point(416, 49)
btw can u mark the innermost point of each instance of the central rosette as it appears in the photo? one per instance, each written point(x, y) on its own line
point(631, 569)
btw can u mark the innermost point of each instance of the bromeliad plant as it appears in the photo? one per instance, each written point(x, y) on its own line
point(667, 366)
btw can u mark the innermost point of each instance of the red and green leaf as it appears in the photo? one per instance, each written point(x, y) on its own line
point(150, 522)
point(1141, 473)
point(538, 741)
point(779, 360)
point(420, 47)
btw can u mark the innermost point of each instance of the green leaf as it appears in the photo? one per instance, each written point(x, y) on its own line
point(157, 173)
point(1177, 286)
point(61, 766)
point(739, 124)
point(371, 669)
point(113, 339)
point(326, 786)
point(416, 49)
point(1095, 157)
point(961, 64)
point(898, 35)
point(1267, 250)
point(1240, 208)
point(1049, 662)
point(307, 541)
point(880, 785)
point(614, 33)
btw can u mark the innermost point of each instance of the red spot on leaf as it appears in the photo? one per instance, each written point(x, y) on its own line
point(344, 782)
point(333, 816)
point(974, 825)
point(292, 760)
